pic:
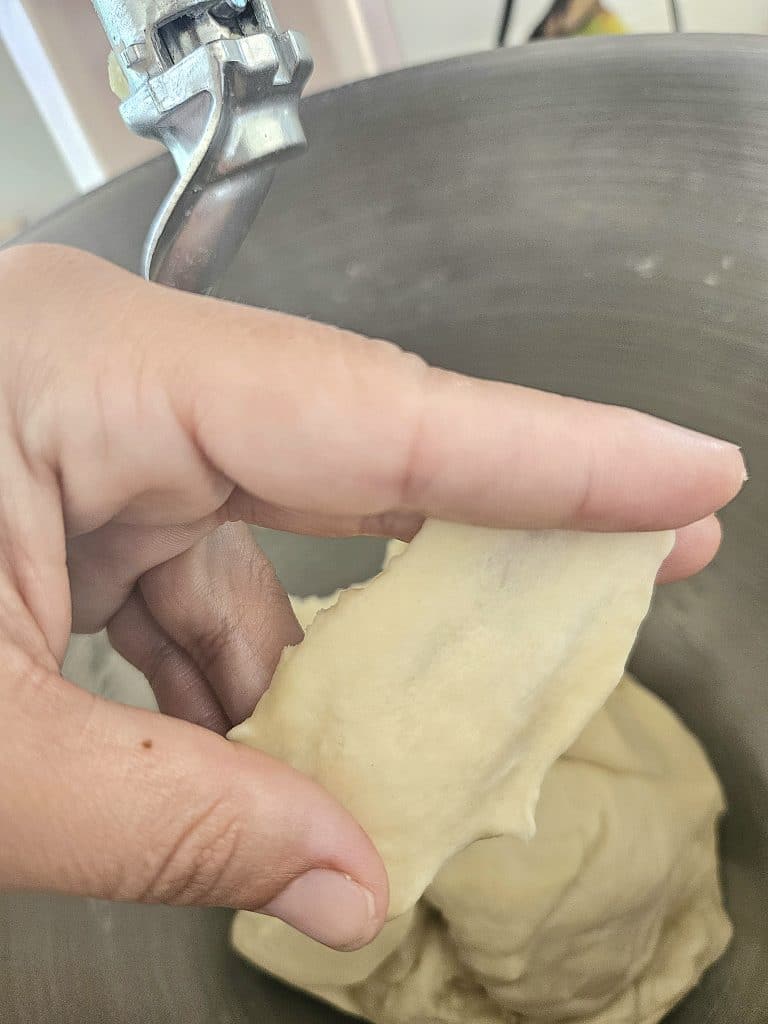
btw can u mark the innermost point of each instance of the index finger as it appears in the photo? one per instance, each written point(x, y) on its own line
point(317, 420)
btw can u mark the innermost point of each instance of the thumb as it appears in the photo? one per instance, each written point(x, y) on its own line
point(117, 803)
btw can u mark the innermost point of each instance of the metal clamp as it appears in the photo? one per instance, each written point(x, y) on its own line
point(219, 84)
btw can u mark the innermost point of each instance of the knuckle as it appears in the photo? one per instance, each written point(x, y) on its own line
point(22, 264)
point(198, 865)
point(33, 378)
point(159, 661)
point(262, 579)
point(250, 577)
point(412, 468)
point(213, 642)
point(18, 259)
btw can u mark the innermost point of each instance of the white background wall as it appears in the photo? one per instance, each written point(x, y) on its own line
point(34, 178)
point(725, 16)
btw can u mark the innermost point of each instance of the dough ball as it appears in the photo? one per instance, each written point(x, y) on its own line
point(610, 915)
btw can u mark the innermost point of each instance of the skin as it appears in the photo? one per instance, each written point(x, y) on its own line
point(140, 430)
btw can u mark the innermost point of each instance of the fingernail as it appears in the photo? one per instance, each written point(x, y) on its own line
point(328, 907)
point(715, 444)
point(697, 437)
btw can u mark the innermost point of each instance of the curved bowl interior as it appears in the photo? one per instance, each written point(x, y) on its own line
point(587, 217)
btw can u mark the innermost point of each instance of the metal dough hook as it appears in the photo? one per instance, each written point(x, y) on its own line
point(219, 85)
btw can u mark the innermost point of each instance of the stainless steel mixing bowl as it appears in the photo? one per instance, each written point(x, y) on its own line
point(588, 217)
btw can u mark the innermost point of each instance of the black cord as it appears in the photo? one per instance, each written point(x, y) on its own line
point(506, 21)
point(674, 13)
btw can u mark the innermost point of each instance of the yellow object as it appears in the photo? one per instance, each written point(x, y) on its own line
point(118, 83)
point(604, 24)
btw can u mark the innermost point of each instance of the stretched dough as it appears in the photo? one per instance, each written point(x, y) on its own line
point(613, 911)
point(433, 701)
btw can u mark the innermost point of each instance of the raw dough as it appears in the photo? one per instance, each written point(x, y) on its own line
point(613, 911)
point(468, 666)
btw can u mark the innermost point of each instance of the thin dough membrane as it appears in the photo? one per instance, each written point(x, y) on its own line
point(449, 704)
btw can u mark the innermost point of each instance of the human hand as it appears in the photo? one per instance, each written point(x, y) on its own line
point(140, 429)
